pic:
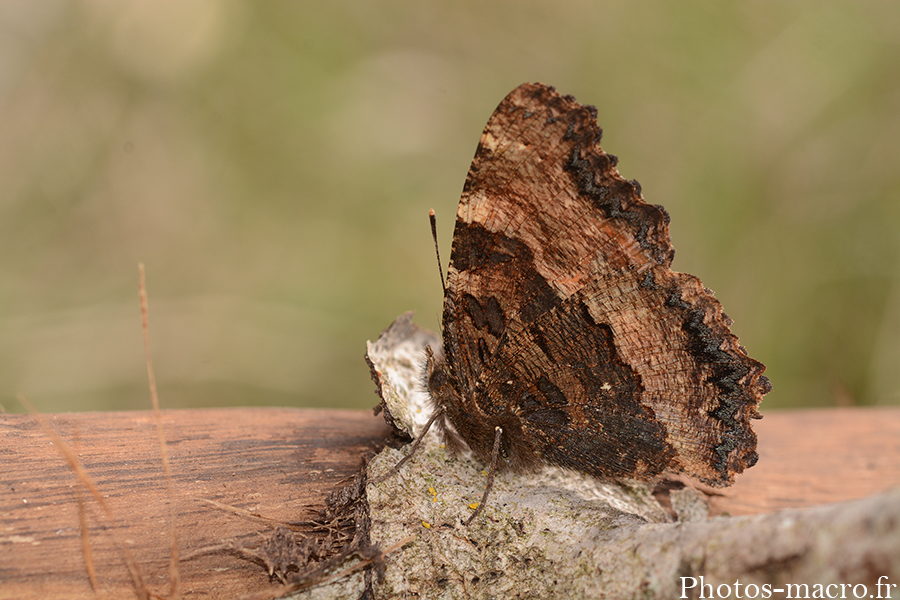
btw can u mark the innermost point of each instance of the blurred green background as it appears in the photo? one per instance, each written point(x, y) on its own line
point(273, 164)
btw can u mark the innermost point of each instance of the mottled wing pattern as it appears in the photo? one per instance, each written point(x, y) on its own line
point(564, 324)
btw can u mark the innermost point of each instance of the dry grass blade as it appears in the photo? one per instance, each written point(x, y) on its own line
point(174, 574)
point(85, 479)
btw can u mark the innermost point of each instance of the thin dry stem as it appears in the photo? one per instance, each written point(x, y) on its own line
point(85, 479)
point(174, 573)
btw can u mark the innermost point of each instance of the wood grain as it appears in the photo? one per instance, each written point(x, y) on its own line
point(278, 463)
point(282, 463)
point(814, 457)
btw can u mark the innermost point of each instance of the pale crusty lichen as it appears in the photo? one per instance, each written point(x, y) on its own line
point(558, 535)
point(532, 533)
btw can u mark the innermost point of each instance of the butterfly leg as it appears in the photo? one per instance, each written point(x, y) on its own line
point(495, 454)
point(412, 450)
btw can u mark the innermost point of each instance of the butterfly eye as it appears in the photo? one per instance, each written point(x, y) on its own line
point(437, 379)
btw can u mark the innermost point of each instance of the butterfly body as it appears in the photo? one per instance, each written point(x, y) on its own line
point(563, 324)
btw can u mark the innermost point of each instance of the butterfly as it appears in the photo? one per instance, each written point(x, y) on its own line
point(567, 338)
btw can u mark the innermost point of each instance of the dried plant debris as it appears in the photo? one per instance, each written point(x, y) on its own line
point(330, 557)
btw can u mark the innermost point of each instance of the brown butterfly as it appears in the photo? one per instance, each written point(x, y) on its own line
point(567, 339)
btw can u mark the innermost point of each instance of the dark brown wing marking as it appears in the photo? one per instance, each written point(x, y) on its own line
point(563, 323)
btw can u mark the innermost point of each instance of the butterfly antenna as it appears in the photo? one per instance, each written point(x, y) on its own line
point(437, 252)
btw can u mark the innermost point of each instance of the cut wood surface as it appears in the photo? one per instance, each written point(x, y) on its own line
point(283, 463)
point(814, 457)
point(277, 463)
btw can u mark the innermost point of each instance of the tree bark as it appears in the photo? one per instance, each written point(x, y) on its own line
point(561, 535)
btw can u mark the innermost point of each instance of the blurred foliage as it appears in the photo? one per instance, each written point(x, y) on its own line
point(273, 163)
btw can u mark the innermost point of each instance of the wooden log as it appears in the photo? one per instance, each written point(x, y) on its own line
point(278, 463)
point(283, 463)
point(814, 457)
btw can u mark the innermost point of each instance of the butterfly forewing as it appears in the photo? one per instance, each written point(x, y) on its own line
point(563, 324)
